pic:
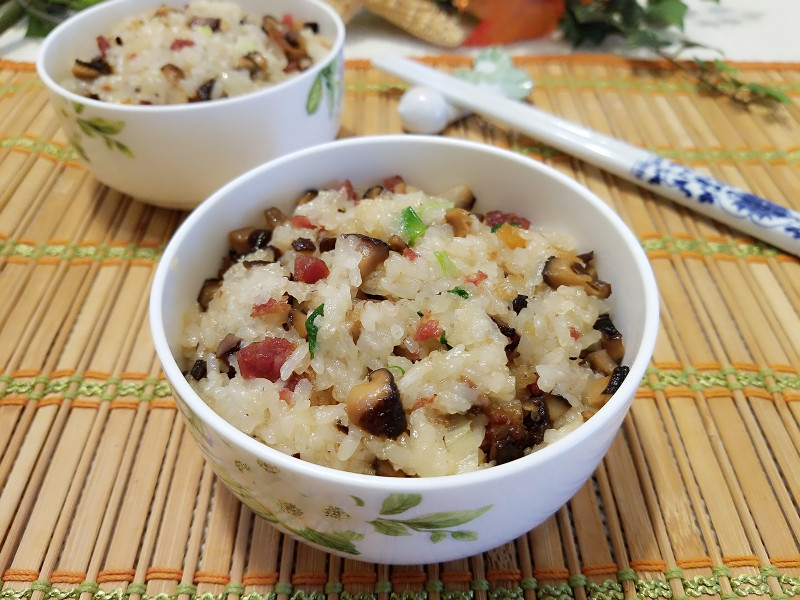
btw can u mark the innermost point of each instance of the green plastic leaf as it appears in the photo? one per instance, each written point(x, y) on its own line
point(389, 527)
point(763, 90)
point(312, 329)
point(663, 13)
point(411, 225)
point(395, 504)
point(445, 520)
point(494, 68)
point(315, 95)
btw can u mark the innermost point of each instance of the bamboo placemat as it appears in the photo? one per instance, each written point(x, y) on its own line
point(104, 496)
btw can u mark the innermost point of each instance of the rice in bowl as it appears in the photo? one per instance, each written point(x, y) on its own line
point(395, 332)
point(206, 50)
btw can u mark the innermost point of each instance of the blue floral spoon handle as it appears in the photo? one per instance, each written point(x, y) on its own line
point(734, 207)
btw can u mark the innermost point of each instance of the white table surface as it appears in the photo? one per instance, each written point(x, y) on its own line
point(742, 30)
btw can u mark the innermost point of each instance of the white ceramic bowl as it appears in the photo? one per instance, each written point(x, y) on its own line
point(176, 155)
point(416, 520)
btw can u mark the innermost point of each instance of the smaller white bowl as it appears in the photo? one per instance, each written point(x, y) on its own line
point(176, 155)
point(406, 520)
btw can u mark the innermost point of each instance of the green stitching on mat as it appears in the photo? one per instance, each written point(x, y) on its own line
point(528, 583)
point(656, 588)
point(742, 585)
point(99, 252)
point(151, 388)
point(701, 586)
point(67, 252)
point(720, 378)
point(734, 248)
point(8, 89)
point(561, 591)
point(62, 153)
point(608, 590)
point(105, 391)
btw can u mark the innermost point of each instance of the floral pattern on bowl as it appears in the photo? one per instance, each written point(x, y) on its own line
point(328, 82)
point(334, 522)
point(77, 127)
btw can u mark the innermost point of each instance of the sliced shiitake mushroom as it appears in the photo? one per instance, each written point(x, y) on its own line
point(459, 219)
point(252, 62)
point(228, 345)
point(199, 370)
point(208, 290)
point(384, 468)
point(92, 69)
point(511, 335)
point(297, 321)
point(204, 91)
point(246, 239)
point(600, 390)
point(304, 245)
point(307, 197)
point(611, 340)
point(601, 361)
point(172, 73)
point(326, 243)
point(460, 195)
point(564, 270)
point(520, 302)
point(397, 243)
point(288, 40)
point(372, 192)
point(274, 216)
point(557, 406)
point(375, 406)
point(373, 252)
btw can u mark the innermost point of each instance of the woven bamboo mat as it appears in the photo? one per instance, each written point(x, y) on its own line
point(103, 494)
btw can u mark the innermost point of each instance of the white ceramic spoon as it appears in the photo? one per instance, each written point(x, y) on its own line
point(737, 208)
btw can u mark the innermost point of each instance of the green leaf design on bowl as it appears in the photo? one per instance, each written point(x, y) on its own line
point(439, 525)
point(97, 127)
point(327, 83)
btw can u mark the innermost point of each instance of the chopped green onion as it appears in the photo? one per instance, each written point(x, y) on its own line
point(399, 368)
point(443, 341)
point(499, 225)
point(448, 266)
point(412, 226)
point(432, 205)
point(459, 291)
point(312, 329)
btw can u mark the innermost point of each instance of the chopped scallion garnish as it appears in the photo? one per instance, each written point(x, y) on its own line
point(459, 291)
point(443, 341)
point(448, 266)
point(312, 329)
point(411, 225)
